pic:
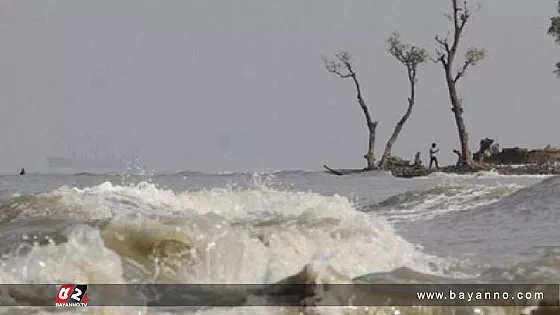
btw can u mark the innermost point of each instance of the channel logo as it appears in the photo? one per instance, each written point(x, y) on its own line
point(71, 295)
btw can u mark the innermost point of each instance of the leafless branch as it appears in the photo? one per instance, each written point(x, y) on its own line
point(444, 43)
point(396, 47)
point(410, 56)
point(443, 52)
point(472, 57)
point(341, 67)
point(461, 71)
point(439, 56)
point(463, 14)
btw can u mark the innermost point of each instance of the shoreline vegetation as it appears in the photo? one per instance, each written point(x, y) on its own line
point(509, 161)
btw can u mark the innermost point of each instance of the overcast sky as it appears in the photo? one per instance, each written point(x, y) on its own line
point(240, 85)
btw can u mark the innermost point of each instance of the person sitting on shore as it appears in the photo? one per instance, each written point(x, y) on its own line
point(459, 159)
point(417, 161)
point(22, 171)
point(433, 157)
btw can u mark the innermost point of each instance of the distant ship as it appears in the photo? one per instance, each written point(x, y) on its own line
point(87, 156)
point(83, 165)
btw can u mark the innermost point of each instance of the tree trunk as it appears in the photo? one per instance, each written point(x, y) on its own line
point(389, 146)
point(457, 110)
point(372, 125)
point(398, 128)
point(370, 156)
point(457, 107)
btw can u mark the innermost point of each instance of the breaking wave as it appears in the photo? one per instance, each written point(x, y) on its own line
point(285, 230)
point(440, 200)
point(257, 234)
point(481, 175)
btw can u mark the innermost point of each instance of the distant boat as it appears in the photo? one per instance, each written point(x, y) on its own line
point(83, 165)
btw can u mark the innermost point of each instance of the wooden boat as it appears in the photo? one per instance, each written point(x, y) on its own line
point(345, 171)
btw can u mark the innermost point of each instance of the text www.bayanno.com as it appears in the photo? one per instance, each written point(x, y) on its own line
point(470, 296)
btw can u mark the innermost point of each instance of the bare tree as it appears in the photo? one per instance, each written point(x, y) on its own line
point(446, 55)
point(554, 30)
point(342, 67)
point(411, 57)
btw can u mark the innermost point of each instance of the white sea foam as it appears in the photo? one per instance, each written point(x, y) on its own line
point(480, 175)
point(227, 235)
point(442, 200)
point(232, 235)
point(253, 234)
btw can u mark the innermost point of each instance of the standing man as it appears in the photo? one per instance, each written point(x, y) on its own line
point(433, 158)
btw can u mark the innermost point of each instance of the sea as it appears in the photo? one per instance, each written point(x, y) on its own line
point(265, 227)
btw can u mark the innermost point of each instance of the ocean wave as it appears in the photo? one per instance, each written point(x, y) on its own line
point(440, 200)
point(227, 235)
point(246, 173)
point(480, 175)
point(542, 195)
point(255, 234)
point(532, 203)
point(543, 269)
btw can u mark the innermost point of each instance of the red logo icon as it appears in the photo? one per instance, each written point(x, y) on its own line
point(72, 295)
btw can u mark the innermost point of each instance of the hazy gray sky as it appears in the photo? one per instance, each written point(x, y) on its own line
point(239, 85)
